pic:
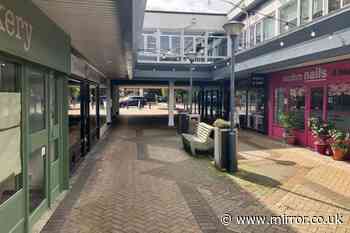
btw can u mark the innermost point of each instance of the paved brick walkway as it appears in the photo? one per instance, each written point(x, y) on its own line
point(139, 180)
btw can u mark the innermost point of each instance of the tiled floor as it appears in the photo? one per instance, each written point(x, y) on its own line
point(139, 180)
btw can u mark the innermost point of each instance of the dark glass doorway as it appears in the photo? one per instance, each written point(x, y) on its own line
point(316, 108)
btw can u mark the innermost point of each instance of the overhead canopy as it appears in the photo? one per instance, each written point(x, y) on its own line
point(103, 31)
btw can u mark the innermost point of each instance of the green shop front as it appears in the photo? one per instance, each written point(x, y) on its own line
point(34, 65)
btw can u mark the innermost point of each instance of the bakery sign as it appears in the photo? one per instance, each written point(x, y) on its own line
point(15, 27)
point(315, 74)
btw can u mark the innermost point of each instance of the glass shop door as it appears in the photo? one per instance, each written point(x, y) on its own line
point(315, 109)
point(55, 134)
point(38, 141)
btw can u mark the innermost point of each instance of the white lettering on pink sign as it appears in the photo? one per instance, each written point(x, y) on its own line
point(317, 73)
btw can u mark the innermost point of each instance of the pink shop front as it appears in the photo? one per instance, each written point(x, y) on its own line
point(321, 91)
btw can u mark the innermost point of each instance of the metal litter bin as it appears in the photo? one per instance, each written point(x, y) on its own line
point(193, 121)
point(182, 123)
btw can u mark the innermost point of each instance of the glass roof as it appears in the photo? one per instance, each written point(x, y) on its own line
point(199, 6)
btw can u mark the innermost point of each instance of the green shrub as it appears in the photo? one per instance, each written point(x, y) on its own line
point(222, 124)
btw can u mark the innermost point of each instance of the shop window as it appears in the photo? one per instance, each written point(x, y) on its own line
point(164, 44)
point(346, 2)
point(296, 104)
point(317, 8)
point(279, 105)
point(74, 113)
point(305, 12)
point(93, 109)
point(242, 40)
point(10, 132)
point(258, 36)
point(288, 15)
point(256, 109)
point(339, 105)
point(217, 46)
point(251, 36)
point(8, 80)
point(189, 44)
point(37, 99)
point(241, 102)
point(151, 44)
point(170, 46)
point(316, 105)
point(269, 27)
point(334, 5)
point(200, 45)
point(53, 101)
point(37, 174)
point(103, 106)
point(176, 45)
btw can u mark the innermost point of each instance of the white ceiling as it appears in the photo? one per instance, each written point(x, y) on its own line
point(95, 30)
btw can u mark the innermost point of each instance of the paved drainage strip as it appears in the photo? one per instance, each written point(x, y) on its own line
point(201, 210)
point(141, 155)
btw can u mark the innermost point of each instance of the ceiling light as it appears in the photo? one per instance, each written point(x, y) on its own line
point(214, 67)
point(313, 34)
point(281, 43)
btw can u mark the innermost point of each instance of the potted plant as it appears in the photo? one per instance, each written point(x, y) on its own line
point(289, 123)
point(222, 124)
point(321, 132)
point(221, 137)
point(339, 143)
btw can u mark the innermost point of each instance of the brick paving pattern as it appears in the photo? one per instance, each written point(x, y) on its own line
point(139, 180)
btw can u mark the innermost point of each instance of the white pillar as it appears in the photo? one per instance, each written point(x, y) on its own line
point(109, 103)
point(141, 92)
point(171, 104)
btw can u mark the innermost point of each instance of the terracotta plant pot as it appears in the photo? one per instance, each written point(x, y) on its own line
point(321, 148)
point(290, 139)
point(339, 154)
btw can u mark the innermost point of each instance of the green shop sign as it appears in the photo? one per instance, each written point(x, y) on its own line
point(26, 32)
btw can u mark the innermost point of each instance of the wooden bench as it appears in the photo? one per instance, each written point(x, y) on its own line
point(200, 140)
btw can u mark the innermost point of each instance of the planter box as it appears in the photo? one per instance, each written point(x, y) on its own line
point(221, 137)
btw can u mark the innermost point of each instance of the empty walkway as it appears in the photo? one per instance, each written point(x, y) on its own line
point(139, 180)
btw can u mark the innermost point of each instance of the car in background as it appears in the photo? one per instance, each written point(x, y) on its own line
point(133, 101)
point(162, 99)
point(151, 97)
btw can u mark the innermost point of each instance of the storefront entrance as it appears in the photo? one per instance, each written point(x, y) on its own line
point(251, 102)
point(83, 119)
point(44, 166)
point(315, 109)
point(321, 92)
